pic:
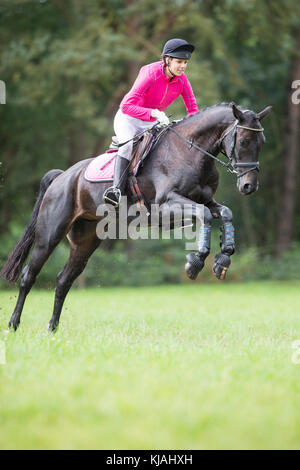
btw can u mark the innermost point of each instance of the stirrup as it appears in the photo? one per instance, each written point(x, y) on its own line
point(116, 192)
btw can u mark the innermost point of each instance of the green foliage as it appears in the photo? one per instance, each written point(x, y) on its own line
point(67, 65)
point(252, 265)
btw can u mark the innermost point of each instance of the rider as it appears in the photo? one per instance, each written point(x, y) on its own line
point(156, 87)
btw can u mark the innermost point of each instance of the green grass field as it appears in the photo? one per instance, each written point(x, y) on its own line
point(170, 367)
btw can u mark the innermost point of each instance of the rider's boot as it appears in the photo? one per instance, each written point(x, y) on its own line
point(113, 194)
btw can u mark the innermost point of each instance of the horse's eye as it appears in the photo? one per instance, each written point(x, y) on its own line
point(244, 142)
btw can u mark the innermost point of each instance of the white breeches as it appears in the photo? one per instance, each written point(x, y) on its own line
point(126, 127)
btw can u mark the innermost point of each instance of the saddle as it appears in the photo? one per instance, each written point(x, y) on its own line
point(101, 168)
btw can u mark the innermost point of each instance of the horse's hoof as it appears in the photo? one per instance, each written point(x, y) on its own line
point(13, 326)
point(221, 265)
point(194, 265)
point(52, 328)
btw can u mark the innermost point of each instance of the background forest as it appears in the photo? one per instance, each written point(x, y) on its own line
point(66, 65)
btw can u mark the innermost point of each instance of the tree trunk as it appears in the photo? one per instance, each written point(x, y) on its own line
point(288, 190)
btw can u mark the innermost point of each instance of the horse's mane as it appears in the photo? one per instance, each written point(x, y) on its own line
point(203, 111)
point(208, 108)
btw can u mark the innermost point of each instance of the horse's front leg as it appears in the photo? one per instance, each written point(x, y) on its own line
point(196, 260)
point(222, 259)
point(197, 213)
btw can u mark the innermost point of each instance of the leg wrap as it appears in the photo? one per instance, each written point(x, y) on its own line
point(195, 261)
point(222, 260)
point(227, 238)
point(204, 240)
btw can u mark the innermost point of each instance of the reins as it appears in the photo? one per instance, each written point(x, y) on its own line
point(191, 144)
point(231, 165)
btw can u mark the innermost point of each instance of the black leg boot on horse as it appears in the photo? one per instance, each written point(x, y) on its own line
point(113, 194)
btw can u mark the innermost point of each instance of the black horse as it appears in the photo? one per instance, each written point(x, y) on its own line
point(181, 170)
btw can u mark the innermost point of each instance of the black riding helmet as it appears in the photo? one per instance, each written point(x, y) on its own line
point(178, 48)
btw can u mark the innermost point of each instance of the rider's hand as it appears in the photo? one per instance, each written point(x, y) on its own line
point(160, 116)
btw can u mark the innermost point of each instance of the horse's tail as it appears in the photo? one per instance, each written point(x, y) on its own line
point(13, 266)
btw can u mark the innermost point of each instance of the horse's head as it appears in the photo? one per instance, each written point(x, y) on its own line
point(242, 142)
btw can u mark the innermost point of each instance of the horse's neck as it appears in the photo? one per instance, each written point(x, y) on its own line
point(208, 126)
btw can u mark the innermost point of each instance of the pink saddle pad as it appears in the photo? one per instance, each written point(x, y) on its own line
point(102, 167)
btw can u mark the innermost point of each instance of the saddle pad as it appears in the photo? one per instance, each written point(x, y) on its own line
point(101, 168)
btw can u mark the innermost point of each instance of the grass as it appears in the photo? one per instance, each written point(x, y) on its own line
point(170, 367)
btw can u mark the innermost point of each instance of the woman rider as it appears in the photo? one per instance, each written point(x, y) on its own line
point(156, 87)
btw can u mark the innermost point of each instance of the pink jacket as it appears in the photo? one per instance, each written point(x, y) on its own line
point(154, 90)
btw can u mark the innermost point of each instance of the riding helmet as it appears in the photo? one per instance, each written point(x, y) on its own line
point(178, 48)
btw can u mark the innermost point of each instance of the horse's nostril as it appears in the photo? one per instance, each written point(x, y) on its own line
point(247, 187)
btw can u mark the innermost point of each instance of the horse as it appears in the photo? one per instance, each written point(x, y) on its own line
point(180, 171)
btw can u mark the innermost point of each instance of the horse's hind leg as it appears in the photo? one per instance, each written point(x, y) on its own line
point(83, 242)
point(40, 254)
point(52, 226)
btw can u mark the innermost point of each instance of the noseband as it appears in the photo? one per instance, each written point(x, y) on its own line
point(232, 162)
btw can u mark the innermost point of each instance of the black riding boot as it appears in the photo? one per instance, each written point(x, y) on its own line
point(113, 194)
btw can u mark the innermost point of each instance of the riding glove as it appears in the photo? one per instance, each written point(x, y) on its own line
point(160, 116)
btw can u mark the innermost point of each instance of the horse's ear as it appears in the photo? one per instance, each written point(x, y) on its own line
point(263, 113)
point(237, 113)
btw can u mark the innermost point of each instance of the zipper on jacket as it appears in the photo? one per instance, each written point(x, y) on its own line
point(165, 93)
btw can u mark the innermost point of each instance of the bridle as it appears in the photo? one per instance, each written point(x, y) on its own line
point(232, 166)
